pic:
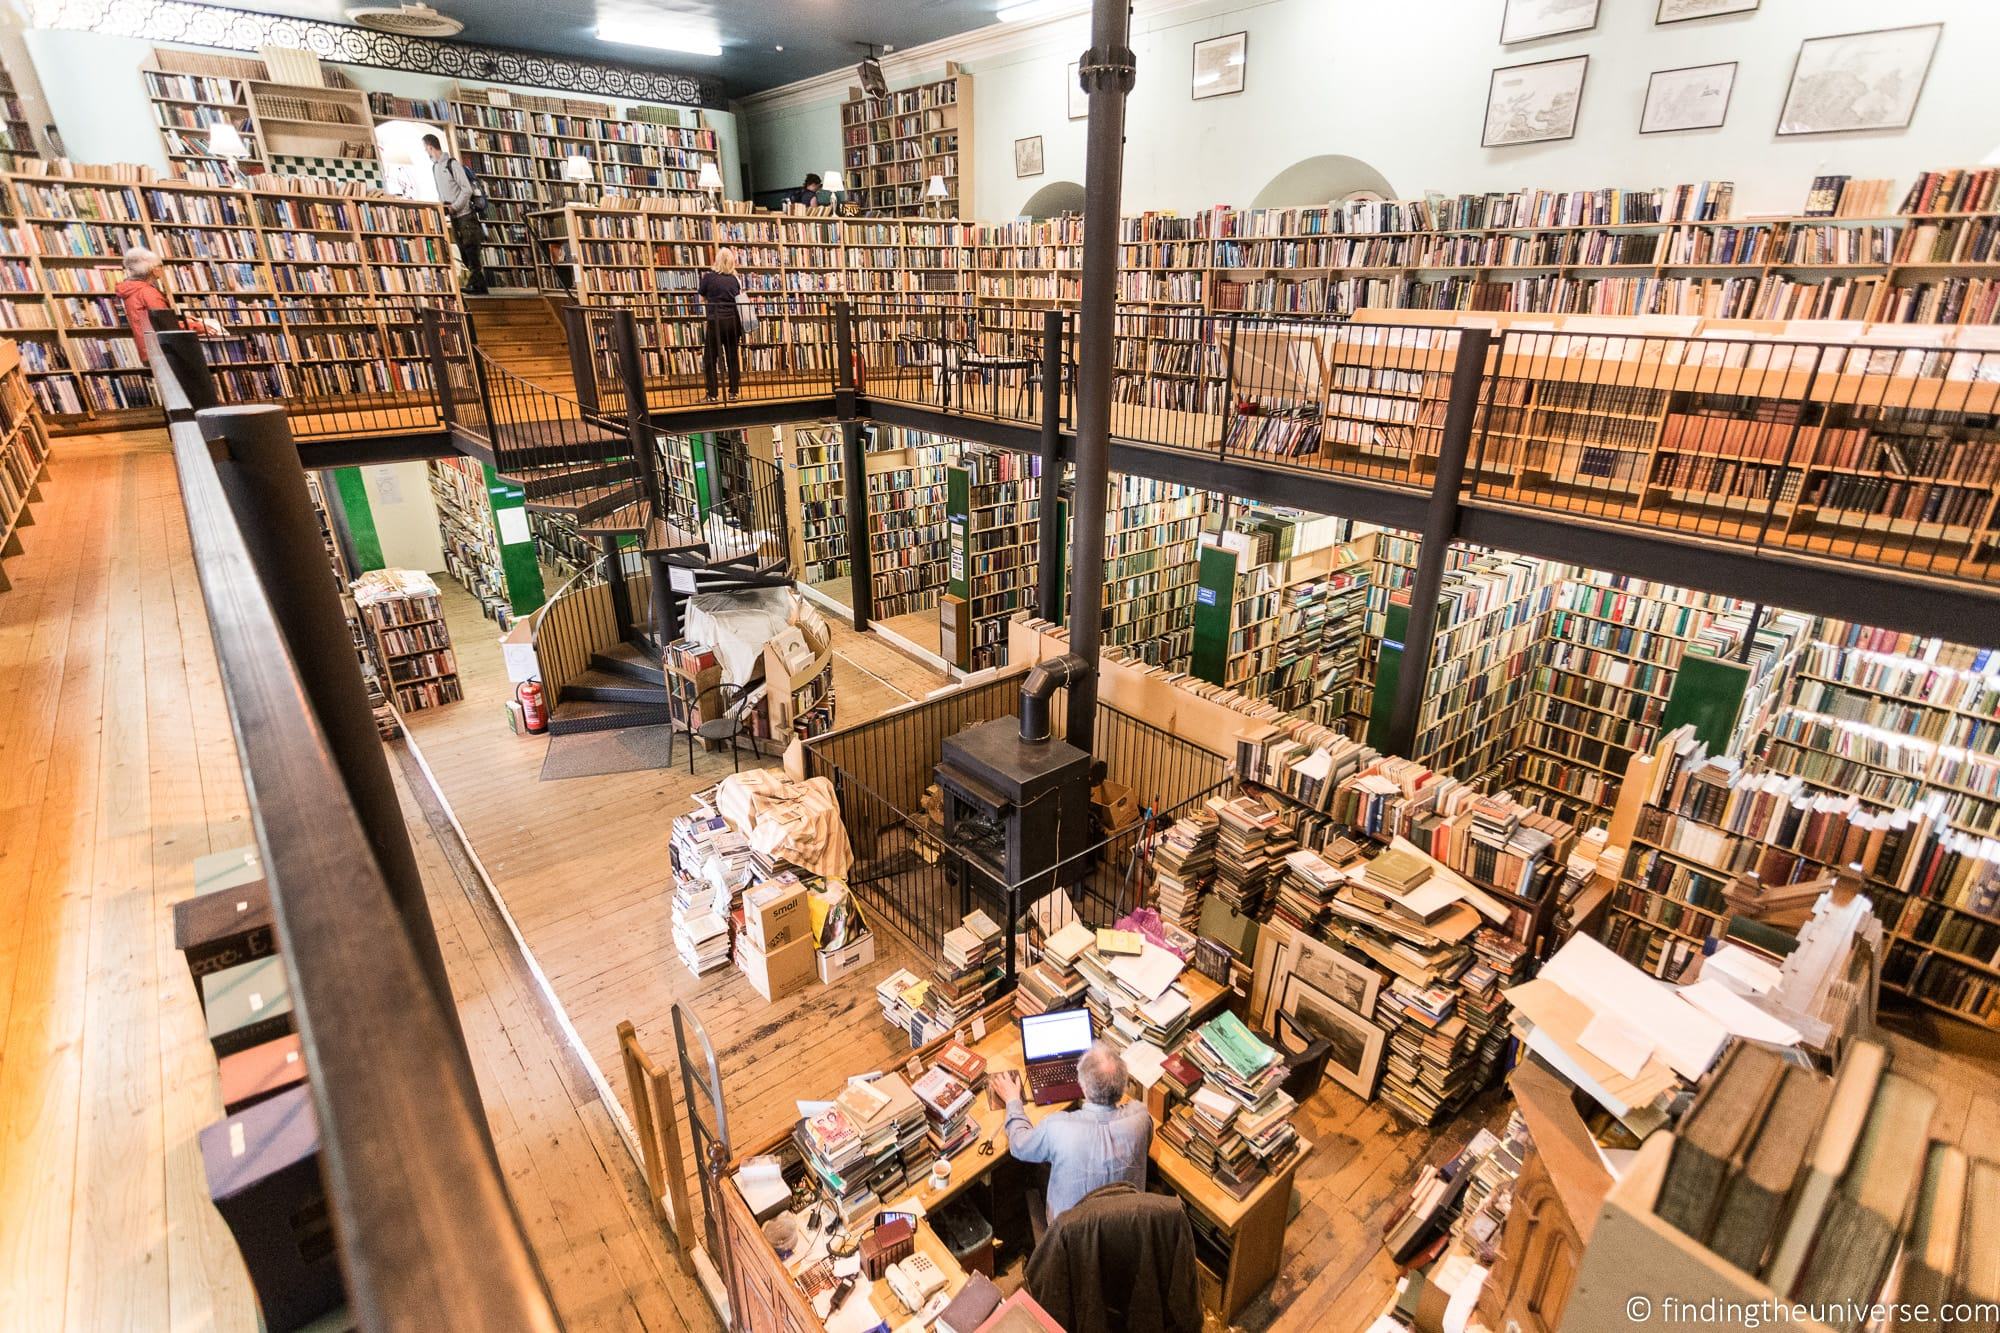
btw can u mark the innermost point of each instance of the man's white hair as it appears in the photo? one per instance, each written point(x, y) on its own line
point(140, 262)
point(1101, 1071)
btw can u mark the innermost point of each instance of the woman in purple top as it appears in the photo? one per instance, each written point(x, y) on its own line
point(723, 338)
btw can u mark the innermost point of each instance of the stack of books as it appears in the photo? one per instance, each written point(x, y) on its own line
point(1135, 997)
point(1427, 1071)
point(892, 1126)
point(901, 995)
point(712, 863)
point(1183, 866)
point(702, 941)
point(831, 1146)
point(1052, 981)
point(1489, 1189)
point(1309, 885)
point(969, 969)
point(948, 1106)
point(1236, 1122)
point(1252, 839)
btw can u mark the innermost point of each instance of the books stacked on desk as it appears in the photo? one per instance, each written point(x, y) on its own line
point(831, 1146)
point(1053, 981)
point(1252, 839)
point(1183, 866)
point(1236, 1121)
point(1136, 997)
point(969, 969)
point(947, 1103)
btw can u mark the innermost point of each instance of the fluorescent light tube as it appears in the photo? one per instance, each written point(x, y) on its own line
point(662, 32)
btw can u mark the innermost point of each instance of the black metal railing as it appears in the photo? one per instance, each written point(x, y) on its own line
point(790, 354)
point(426, 1233)
point(906, 870)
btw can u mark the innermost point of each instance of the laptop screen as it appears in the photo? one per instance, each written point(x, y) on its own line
point(1051, 1036)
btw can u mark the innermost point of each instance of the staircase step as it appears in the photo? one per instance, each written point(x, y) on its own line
point(626, 518)
point(630, 662)
point(538, 482)
point(613, 687)
point(616, 510)
point(571, 716)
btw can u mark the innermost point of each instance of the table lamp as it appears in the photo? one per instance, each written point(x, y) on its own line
point(935, 192)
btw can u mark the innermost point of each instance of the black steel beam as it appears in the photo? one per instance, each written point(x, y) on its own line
point(735, 416)
point(369, 450)
point(1048, 519)
point(1958, 611)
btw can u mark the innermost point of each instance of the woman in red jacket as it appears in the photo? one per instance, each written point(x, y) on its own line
point(142, 295)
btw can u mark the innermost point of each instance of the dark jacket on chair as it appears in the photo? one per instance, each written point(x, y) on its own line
point(1120, 1261)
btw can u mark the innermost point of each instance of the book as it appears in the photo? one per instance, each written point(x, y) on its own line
point(1832, 1149)
point(1747, 1216)
point(1865, 1216)
point(1119, 943)
point(1930, 1262)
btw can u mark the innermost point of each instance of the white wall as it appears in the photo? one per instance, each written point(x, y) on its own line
point(1401, 84)
point(105, 116)
point(406, 521)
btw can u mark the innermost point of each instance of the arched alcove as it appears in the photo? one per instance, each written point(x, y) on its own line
point(1053, 200)
point(1322, 180)
point(406, 168)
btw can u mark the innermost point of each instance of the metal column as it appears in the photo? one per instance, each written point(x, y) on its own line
point(853, 468)
point(1106, 72)
point(1048, 527)
point(1440, 525)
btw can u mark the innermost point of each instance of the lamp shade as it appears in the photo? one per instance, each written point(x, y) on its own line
point(577, 168)
point(225, 140)
point(711, 176)
point(832, 183)
point(935, 189)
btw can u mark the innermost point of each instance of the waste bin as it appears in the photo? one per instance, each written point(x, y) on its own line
point(967, 1234)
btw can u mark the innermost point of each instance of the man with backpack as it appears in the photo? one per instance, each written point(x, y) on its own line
point(463, 201)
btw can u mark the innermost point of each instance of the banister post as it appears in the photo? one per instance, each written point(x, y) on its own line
point(432, 332)
point(182, 349)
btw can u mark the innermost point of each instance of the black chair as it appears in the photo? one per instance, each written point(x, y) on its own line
point(729, 724)
point(1305, 1063)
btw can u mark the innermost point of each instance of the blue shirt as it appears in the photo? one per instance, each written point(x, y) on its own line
point(1085, 1148)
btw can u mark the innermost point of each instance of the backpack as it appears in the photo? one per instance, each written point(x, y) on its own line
point(480, 203)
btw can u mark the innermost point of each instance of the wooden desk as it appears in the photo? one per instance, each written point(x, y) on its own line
point(1253, 1226)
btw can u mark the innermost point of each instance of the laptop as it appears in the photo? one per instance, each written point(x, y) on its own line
point(1051, 1044)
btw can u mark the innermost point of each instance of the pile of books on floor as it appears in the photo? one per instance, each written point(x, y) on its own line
point(948, 1101)
point(1252, 839)
point(1428, 1068)
point(1489, 1189)
point(869, 1146)
point(901, 995)
point(712, 863)
point(1230, 1116)
point(1308, 886)
point(1053, 980)
point(1183, 866)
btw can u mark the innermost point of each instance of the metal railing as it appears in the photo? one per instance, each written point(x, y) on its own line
point(905, 869)
point(426, 1233)
point(583, 617)
point(791, 353)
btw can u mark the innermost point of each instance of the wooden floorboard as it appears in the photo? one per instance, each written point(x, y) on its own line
point(117, 770)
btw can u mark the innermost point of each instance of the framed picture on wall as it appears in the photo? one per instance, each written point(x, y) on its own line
point(1525, 20)
point(1218, 66)
point(1859, 80)
point(1028, 156)
point(1694, 98)
point(1079, 101)
point(1680, 11)
point(1533, 103)
point(1356, 1059)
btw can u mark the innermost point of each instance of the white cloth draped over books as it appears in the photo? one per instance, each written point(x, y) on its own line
point(785, 818)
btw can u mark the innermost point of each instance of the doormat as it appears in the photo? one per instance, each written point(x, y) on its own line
point(595, 754)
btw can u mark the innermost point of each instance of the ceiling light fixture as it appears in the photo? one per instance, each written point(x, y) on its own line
point(1028, 10)
point(684, 33)
point(777, 48)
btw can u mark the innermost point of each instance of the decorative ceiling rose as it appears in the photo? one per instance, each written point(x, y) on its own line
point(238, 30)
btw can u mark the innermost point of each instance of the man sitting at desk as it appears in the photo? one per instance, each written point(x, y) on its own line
point(1100, 1143)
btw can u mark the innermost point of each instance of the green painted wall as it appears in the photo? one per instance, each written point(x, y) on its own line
point(360, 517)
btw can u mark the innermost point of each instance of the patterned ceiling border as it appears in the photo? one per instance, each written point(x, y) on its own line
point(239, 30)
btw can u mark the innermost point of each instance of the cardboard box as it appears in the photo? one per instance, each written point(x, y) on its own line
point(781, 972)
point(1116, 806)
point(857, 953)
point(775, 914)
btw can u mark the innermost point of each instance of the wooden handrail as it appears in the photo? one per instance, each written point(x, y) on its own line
point(428, 1236)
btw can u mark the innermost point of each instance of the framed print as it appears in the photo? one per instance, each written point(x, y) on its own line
point(1695, 98)
point(1028, 156)
point(1533, 103)
point(1356, 1059)
point(1680, 11)
point(1859, 80)
point(1079, 100)
point(1348, 983)
point(1525, 20)
point(1218, 66)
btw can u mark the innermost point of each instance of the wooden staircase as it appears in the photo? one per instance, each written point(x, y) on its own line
point(523, 334)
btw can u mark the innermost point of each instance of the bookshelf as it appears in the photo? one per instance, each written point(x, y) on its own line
point(17, 137)
point(357, 626)
point(799, 698)
point(906, 518)
point(519, 144)
point(993, 503)
point(405, 617)
point(891, 147)
point(1152, 534)
point(24, 452)
point(465, 523)
point(822, 532)
point(191, 94)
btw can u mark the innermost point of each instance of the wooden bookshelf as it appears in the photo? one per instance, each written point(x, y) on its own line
point(17, 136)
point(412, 642)
point(891, 147)
point(997, 494)
point(372, 675)
point(191, 94)
point(823, 509)
point(906, 518)
point(465, 523)
point(1152, 533)
point(24, 453)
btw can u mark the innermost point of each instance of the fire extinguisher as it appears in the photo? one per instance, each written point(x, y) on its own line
point(534, 713)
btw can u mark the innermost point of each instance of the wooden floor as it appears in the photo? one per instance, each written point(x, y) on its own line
point(118, 769)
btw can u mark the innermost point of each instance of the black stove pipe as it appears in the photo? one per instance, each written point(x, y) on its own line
point(1044, 680)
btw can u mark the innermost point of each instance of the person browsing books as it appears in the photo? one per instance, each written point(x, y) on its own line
point(461, 203)
point(140, 291)
point(722, 339)
point(1099, 1143)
